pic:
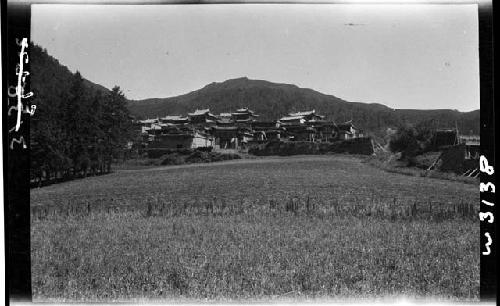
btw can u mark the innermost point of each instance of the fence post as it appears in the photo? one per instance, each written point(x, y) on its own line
point(149, 209)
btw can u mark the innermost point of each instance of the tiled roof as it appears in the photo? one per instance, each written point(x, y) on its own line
point(306, 113)
point(174, 118)
point(148, 121)
point(346, 125)
point(199, 112)
point(243, 110)
point(156, 126)
point(471, 140)
point(289, 118)
point(226, 128)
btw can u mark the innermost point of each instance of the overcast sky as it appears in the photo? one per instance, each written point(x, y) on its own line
point(406, 56)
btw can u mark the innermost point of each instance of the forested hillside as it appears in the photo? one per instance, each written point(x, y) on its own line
point(272, 100)
point(78, 126)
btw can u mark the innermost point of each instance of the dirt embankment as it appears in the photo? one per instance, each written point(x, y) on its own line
point(420, 166)
point(187, 156)
point(362, 146)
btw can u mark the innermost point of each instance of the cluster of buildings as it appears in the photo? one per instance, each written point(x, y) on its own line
point(470, 145)
point(238, 129)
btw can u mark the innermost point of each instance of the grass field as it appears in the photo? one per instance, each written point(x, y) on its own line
point(302, 227)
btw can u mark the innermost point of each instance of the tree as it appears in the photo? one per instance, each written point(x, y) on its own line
point(412, 140)
point(116, 124)
point(425, 132)
point(405, 142)
point(77, 126)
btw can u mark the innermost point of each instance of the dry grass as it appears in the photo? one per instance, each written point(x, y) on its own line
point(276, 228)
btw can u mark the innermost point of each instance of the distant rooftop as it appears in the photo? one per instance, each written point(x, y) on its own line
point(470, 137)
point(225, 120)
point(175, 117)
point(147, 121)
point(306, 113)
point(471, 140)
point(244, 110)
point(199, 112)
point(289, 118)
point(347, 124)
point(156, 126)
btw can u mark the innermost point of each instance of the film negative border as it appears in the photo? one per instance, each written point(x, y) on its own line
point(16, 85)
point(488, 260)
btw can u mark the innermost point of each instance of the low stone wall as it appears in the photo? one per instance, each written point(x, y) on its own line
point(470, 164)
point(159, 152)
point(362, 146)
point(452, 159)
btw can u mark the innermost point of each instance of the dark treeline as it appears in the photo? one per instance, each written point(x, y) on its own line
point(78, 127)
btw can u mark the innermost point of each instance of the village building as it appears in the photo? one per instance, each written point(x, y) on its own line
point(137, 126)
point(148, 122)
point(472, 145)
point(228, 116)
point(444, 138)
point(225, 132)
point(325, 130)
point(236, 130)
point(266, 130)
point(459, 153)
point(243, 115)
point(245, 136)
point(201, 116)
point(233, 130)
point(154, 129)
point(299, 118)
point(174, 120)
point(226, 137)
point(291, 120)
point(347, 130)
point(175, 137)
point(296, 126)
point(224, 121)
point(229, 135)
point(181, 141)
point(300, 132)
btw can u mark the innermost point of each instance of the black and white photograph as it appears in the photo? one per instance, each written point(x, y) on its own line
point(254, 152)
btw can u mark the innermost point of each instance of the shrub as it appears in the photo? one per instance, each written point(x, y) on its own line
point(188, 156)
point(404, 141)
point(198, 157)
point(424, 161)
point(204, 149)
point(229, 156)
point(412, 140)
point(172, 159)
point(284, 148)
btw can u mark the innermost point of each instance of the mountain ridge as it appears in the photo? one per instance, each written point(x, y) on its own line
point(272, 100)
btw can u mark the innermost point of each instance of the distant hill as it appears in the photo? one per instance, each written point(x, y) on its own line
point(273, 100)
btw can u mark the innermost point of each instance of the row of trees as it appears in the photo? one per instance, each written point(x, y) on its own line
point(77, 130)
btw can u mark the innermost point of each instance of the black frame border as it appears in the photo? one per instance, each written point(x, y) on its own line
point(16, 22)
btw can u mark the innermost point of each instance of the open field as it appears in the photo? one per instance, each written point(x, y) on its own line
point(273, 228)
